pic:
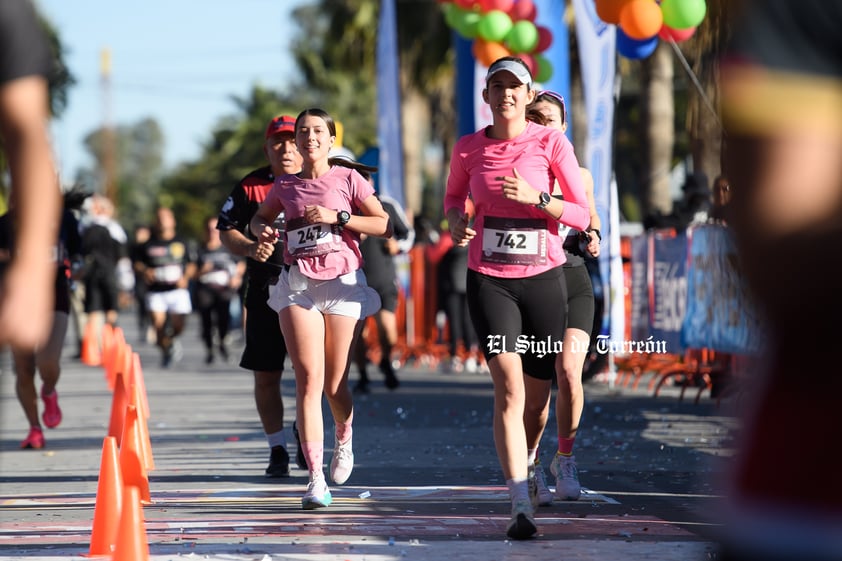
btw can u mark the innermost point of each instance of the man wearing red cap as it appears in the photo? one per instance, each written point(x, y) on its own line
point(265, 350)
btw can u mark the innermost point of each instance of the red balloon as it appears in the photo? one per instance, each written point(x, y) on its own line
point(545, 39)
point(502, 5)
point(678, 35)
point(530, 62)
point(523, 9)
point(466, 4)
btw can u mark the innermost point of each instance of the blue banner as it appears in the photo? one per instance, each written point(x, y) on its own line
point(667, 278)
point(719, 313)
point(639, 287)
point(390, 180)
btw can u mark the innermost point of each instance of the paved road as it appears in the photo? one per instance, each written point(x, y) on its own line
point(426, 483)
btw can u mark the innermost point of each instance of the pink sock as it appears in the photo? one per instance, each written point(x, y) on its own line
point(344, 430)
point(314, 453)
point(565, 446)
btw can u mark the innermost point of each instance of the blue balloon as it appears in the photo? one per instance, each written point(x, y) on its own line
point(634, 48)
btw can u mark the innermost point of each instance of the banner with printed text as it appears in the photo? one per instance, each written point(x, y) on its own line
point(597, 56)
point(667, 283)
point(719, 313)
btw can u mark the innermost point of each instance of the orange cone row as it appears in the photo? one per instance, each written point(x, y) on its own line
point(119, 530)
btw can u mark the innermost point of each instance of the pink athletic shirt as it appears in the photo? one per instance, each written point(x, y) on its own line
point(322, 251)
point(515, 240)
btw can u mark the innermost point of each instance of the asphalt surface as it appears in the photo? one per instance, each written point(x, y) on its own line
point(426, 484)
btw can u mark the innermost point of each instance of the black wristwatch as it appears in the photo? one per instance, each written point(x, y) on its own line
point(597, 232)
point(545, 200)
point(342, 217)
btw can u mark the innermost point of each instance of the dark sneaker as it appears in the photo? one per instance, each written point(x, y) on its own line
point(388, 371)
point(299, 452)
point(278, 463)
point(167, 355)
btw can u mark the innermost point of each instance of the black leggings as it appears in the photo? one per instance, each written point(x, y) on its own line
point(509, 315)
point(459, 322)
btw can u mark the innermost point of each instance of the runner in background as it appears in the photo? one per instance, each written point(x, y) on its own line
point(219, 275)
point(45, 359)
point(167, 263)
point(579, 245)
point(265, 350)
point(379, 255)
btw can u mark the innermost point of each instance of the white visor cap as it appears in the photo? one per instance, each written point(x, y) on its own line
point(520, 72)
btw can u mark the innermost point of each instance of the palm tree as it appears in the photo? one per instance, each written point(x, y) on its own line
point(703, 52)
point(658, 124)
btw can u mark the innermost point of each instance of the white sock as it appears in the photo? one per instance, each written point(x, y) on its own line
point(277, 439)
point(518, 490)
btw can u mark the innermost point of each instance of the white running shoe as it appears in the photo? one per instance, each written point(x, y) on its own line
point(567, 487)
point(522, 526)
point(544, 497)
point(317, 495)
point(342, 463)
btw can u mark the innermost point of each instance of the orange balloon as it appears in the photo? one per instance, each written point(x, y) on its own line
point(609, 10)
point(486, 52)
point(641, 19)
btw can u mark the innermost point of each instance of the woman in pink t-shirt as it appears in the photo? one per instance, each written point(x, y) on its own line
point(517, 294)
point(322, 296)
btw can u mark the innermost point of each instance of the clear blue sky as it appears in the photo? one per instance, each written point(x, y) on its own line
point(178, 61)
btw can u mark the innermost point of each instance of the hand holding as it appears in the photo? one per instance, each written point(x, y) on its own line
point(593, 244)
point(261, 251)
point(460, 233)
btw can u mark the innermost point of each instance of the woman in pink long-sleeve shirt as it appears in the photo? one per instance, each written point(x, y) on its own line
point(516, 288)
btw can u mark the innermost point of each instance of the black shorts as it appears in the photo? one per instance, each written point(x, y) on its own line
point(265, 348)
point(388, 292)
point(526, 315)
point(580, 304)
point(101, 294)
point(580, 312)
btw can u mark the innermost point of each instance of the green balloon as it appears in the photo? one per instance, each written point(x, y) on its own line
point(494, 26)
point(523, 37)
point(683, 14)
point(469, 24)
point(545, 68)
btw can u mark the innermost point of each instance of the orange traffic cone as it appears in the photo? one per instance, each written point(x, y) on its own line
point(90, 346)
point(119, 400)
point(117, 349)
point(137, 377)
point(131, 459)
point(109, 499)
point(143, 429)
point(131, 534)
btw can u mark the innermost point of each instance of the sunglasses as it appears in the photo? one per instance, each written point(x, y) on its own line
point(557, 97)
